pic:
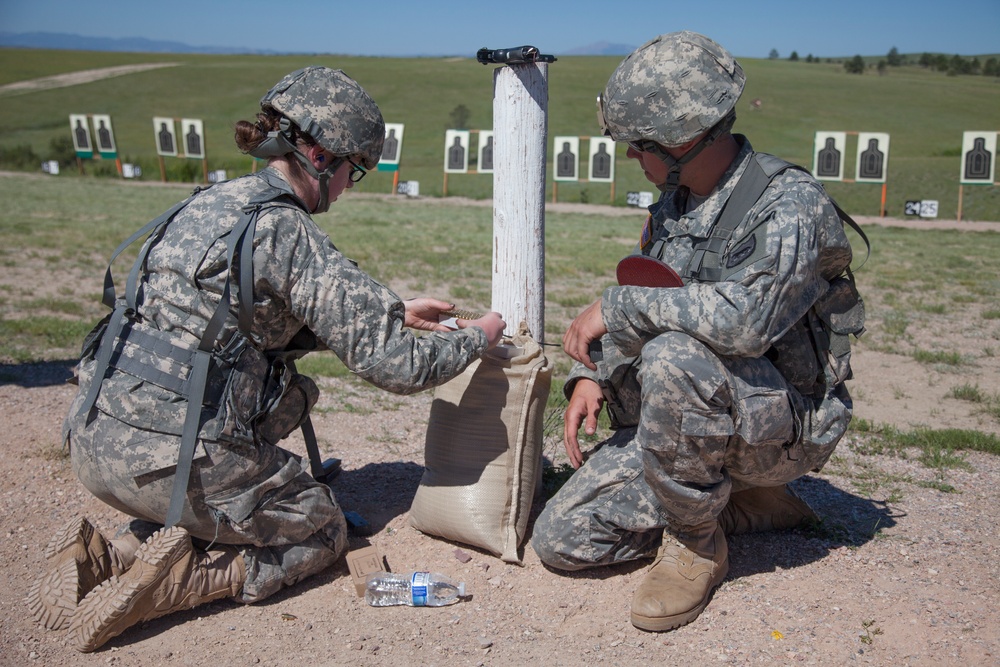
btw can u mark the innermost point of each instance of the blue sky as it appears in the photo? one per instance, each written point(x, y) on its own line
point(748, 28)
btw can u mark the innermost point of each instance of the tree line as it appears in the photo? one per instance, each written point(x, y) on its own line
point(952, 66)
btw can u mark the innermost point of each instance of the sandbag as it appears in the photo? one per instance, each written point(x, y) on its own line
point(483, 450)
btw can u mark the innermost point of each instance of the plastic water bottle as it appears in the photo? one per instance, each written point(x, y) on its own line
point(417, 589)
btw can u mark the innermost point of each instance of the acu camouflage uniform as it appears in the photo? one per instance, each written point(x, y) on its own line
point(713, 386)
point(306, 295)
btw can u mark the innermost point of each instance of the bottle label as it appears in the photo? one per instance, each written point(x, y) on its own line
point(418, 588)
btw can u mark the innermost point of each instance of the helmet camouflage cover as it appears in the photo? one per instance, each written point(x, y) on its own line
point(333, 109)
point(670, 90)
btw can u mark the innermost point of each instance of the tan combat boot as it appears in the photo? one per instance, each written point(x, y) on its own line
point(688, 566)
point(765, 508)
point(168, 575)
point(79, 558)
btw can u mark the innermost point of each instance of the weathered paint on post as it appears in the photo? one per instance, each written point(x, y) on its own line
point(520, 133)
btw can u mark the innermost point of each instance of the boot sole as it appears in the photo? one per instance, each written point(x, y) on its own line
point(665, 623)
point(54, 596)
point(99, 617)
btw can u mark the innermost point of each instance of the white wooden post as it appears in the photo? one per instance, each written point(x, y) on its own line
point(520, 134)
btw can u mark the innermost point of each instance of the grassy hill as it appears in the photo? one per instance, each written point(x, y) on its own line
point(924, 112)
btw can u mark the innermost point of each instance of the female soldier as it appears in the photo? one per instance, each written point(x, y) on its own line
point(243, 518)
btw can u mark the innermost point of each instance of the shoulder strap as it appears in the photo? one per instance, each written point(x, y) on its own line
point(706, 262)
point(857, 228)
point(243, 250)
point(156, 224)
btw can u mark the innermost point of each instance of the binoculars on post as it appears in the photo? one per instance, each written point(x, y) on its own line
point(513, 56)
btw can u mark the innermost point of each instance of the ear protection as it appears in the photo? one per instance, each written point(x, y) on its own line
point(321, 158)
point(279, 142)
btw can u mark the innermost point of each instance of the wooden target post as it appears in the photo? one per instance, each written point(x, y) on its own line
point(520, 133)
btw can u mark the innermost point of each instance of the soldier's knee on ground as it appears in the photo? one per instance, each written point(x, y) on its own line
point(557, 556)
point(543, 543)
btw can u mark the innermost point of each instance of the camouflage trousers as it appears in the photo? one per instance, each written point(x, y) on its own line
point(702, 427)
point(287, 525)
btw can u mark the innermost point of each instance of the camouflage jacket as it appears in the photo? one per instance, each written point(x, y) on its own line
point(300, 281)
point(754, 308)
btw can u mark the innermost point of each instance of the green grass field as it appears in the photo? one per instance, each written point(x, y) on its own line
point(58, 233)
point(924, 112)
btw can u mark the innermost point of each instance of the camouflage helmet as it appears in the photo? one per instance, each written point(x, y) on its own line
point(670, 90)
point(331, 108)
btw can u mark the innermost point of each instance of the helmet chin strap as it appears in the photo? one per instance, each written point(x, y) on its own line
point(323, 177)
point(675, 165)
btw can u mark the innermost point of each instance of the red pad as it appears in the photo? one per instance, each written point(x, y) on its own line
point(644, 271)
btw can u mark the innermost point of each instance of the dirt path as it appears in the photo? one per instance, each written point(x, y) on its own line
point(75, 78)
point(622, 211)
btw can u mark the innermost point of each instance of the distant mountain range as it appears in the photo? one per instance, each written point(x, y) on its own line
point(51, 40)
point(602, 49)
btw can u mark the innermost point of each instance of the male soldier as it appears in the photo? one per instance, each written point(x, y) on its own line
point(724, 388)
